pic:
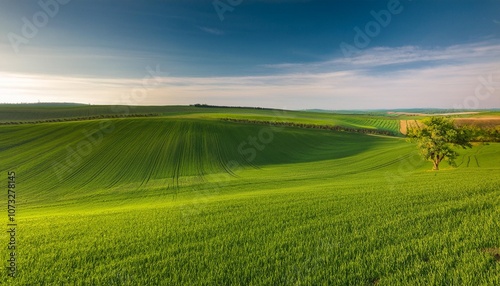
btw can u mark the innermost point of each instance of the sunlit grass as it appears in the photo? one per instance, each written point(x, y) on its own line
point(153, 204)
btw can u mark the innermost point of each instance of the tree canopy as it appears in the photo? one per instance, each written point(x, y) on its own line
point(438, 138)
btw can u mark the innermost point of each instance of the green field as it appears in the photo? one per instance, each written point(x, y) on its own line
point(184, 198)
point(45, 112)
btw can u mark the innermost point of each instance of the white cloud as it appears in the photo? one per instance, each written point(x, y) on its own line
point(445, 85)
point(385, 56)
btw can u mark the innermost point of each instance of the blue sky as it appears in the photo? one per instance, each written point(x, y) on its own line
point(293, 54)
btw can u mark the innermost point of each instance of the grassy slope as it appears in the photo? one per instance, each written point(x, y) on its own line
point(152, 152)
point(362, 120)
point(313, 206)
point(9, 113)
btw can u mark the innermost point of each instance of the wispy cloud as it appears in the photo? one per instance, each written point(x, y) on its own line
point(212, 31)
point(442, 86)
point(381, 56)
point(386, 56)
point(333, 84)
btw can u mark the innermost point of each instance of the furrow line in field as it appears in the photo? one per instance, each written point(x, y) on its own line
point(178, 154)
point(380, 166)
point(156, 152)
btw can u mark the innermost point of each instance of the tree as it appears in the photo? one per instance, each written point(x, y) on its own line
point(437, 139)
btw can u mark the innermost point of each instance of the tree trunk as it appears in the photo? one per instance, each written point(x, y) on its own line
point(436, 162)
point(436, 165)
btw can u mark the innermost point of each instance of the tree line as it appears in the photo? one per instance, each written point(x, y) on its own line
point(314, 126)
point(484, 134)
point(223, 106)
point(81, 118)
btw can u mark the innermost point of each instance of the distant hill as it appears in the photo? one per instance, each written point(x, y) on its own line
point(408, 111)
point(44, 104)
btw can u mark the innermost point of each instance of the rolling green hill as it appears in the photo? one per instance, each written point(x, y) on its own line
point(189, 199)
point(158, 152)
point(35, 113)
